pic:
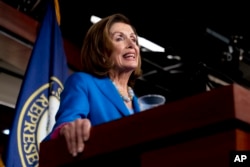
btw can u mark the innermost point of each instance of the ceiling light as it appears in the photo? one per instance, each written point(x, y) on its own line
point(6, 131)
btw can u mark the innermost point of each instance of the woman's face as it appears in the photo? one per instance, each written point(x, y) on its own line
point(126, 50)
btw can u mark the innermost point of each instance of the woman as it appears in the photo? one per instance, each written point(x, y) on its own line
point(102, 91)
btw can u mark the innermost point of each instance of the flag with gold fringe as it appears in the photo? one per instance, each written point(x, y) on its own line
point(39, 96)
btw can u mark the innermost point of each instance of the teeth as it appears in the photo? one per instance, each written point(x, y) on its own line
point(129, 55)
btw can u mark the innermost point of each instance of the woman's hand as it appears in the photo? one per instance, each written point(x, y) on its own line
point(76, 133)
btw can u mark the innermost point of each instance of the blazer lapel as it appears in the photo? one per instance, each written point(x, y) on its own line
point(108, 89)
point(136, 105)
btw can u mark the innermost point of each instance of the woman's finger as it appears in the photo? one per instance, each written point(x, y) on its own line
point(79, 138)
point(86, 125)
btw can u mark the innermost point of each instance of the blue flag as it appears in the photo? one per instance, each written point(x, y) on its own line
point(39, 96)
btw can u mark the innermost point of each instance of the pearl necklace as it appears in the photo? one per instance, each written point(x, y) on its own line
point(126, 98)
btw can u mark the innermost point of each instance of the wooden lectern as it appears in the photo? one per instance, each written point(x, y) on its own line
point(200, 130)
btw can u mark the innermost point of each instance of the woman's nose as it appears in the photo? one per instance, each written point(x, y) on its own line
point(131, 43)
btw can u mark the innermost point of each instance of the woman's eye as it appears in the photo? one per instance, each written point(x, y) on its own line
point(119, 38)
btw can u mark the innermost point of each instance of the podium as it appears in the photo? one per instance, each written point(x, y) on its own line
point(200, 130)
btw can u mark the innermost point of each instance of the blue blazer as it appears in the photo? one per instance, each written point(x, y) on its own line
point(87, 96)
